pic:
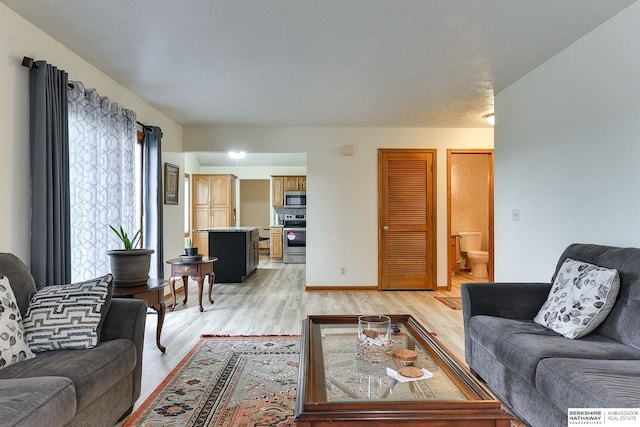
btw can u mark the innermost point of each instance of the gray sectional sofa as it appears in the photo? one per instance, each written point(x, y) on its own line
point(539, 373)
point(90, 387)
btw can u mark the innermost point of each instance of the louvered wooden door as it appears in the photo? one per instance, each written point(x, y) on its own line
point(406, 235)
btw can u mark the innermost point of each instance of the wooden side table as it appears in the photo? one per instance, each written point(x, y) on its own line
point(153, 294)
point(197, 269)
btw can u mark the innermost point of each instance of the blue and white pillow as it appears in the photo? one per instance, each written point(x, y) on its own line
point(581, 297)
point(68, 317)
point(13, 343)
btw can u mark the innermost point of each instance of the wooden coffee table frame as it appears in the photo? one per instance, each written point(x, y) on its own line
point(312, 409)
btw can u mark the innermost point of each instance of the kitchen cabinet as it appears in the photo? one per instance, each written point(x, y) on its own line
point(295, 183)
point(237, 251)
point(277, 191)
point(280, 184)
point(214, 205)
point(276, 243)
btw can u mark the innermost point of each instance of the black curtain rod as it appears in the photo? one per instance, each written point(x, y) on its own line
point(29, 63)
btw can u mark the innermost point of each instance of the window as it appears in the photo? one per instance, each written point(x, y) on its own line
point(187, 205)
point(103, 172)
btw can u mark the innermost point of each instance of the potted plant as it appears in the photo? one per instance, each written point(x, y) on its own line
point(130, 265)
point(189, 250)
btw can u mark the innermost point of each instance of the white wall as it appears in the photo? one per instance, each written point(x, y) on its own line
point(20, 38)
point(567, 152)
point(342, 190)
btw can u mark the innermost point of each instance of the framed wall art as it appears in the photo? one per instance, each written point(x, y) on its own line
point(171, 184)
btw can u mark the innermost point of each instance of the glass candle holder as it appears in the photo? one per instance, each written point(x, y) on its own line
point(374, 338)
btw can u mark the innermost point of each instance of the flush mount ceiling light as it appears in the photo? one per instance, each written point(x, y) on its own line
point(237, 155)
point(490, 118)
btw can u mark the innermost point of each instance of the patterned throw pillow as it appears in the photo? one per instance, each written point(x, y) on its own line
point(581, 297)
point(68, 316)
point(13, 343)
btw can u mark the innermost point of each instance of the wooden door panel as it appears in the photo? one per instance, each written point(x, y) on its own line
point(277, 190)
point(407, 224)
point(291, 183)
point(201, 195)
point(220, 217)
point(406, 192)
point(201, 241)
point(220, 191)
point(201, 218)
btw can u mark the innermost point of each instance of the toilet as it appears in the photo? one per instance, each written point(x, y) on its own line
point(471, 243)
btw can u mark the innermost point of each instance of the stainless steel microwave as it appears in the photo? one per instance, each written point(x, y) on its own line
point(295, 198)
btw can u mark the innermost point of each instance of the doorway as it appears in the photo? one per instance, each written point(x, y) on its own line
point(406, 219)
point(470, 209)
point(255, 206)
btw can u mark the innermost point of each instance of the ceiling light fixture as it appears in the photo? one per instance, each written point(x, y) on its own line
point(237, 155)
point(490, 118)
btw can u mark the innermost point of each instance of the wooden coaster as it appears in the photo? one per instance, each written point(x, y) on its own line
point(410, 372)
point(405, 355)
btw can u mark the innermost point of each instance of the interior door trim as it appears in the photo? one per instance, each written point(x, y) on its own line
point(490, 237)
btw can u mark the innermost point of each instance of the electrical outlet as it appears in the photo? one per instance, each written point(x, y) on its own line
point(515, 215)
point(343, 271)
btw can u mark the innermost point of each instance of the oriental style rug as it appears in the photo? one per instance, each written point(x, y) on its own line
point(454, 303)
point(227, 381)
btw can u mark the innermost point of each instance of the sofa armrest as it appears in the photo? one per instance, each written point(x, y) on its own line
point(126, 318)
point(508, 300)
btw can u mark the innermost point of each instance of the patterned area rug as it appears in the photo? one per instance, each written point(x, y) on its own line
point(227, 381)
point(454, 303)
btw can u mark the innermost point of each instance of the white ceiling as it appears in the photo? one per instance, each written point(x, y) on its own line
point(433, 63)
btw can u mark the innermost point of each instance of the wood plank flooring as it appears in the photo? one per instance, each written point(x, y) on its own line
point(273, 301)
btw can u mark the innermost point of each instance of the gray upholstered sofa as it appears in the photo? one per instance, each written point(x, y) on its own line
point(539, 373)
point(91, 387)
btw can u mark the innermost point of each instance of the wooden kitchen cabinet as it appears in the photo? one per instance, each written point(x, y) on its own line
point(291, 183)
point(276, 243)
point(295, 183)
point(214, 205)
point(277, 191)
point(280, 184)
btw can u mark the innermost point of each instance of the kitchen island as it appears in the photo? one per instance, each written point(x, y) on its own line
point(236, 249)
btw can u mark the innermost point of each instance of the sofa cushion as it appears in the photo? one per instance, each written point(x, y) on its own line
point(580, 299)
point(13, 342)
point(522, 344)
point(579, 383)
point(68, 316)
point(37, 402)
point(93, 371)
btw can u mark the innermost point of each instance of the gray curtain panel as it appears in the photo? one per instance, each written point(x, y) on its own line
point(152, 198)
point(49, 139)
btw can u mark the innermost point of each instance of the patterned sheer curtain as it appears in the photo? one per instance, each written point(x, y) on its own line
point(102, 140)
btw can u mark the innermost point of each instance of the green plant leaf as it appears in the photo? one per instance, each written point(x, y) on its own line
point(128, 243)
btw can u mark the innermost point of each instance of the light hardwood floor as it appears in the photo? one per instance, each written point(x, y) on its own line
point(273, 301)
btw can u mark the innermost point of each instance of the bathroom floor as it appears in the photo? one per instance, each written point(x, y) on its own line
point(464, 277)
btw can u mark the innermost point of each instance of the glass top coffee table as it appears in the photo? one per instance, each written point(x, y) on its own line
point(336, 385)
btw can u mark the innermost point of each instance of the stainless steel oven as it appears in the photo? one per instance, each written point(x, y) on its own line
point(295, 239)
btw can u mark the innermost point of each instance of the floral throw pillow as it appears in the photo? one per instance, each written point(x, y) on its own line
point(581, 297)
point(13, 342)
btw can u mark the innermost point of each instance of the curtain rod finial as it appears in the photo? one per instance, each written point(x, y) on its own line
point(29, 62)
